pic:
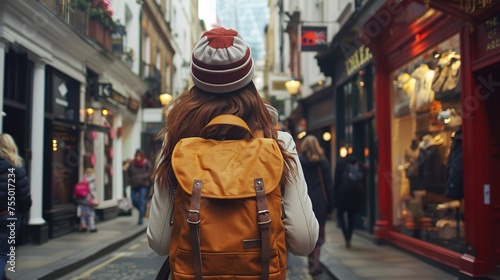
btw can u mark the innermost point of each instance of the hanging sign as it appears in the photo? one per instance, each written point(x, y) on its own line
point(313, 38)
point(105, 90)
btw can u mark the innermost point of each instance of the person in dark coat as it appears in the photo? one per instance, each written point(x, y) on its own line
point(15, 196)
point(319, 188)
point(349, 203)
point(138, 176)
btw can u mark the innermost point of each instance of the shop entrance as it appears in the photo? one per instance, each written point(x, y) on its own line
point(494, 124)
point(61, 161)
point(363, 149)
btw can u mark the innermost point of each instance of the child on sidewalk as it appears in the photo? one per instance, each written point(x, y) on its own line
point(85, 207)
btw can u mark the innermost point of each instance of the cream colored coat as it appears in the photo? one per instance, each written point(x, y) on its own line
point(301, 225)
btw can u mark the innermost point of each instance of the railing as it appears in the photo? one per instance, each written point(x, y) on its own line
point(76, 17)
point(152, 77)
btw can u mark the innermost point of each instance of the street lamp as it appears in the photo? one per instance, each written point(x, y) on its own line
point(165, 98)
point(292, 86)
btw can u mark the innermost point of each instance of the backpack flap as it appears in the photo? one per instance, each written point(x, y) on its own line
point(227, 168)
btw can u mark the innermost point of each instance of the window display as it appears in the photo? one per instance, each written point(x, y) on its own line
point(427, 177)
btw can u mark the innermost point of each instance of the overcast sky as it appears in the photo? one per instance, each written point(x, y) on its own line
point(207, 12)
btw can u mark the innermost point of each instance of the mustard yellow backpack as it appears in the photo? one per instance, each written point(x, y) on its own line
point(228, 213)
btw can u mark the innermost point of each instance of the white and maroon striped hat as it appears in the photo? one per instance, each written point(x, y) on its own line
point(221, 61)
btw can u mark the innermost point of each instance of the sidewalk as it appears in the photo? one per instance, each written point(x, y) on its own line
point(364, 260)
point(367, 261)
point(64, 254)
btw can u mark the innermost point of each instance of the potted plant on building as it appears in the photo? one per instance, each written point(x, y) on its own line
point(101, 22)
point(82, 5)
point(129, 57)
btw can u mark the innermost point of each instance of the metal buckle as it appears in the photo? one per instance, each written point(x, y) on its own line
point(264, 223)
point(197, 220)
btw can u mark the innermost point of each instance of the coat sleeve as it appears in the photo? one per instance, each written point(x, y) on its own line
point(327, 179)
point(23, 193)
point(159, 229)
point(301, 226)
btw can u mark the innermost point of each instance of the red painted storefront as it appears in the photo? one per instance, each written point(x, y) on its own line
point(400, 32)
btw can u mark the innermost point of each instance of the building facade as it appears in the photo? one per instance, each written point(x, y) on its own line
point(351, 99)
point(156, 68)
point(65, 96)
point(435, 86)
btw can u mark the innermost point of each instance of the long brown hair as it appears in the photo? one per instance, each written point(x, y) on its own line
point(192, 111)
point(311, 148)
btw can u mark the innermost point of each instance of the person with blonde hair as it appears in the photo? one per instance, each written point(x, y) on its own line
point(222, 71)
point(320, 189)
point(15, 195)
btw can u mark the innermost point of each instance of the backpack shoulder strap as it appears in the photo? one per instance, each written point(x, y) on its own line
point(227, 119)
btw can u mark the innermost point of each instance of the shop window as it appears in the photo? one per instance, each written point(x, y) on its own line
point(64, 154)
point(18, 73)
point(62, 95)
point(427, 176)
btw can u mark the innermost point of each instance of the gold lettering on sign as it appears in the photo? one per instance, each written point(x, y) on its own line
point(493, 38)
point(357, 59)
point(472, 6)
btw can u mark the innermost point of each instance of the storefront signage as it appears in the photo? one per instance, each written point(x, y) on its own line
point(488, 36)
point(278, 85)
point(119, 98)
point(313, 38)
point(105, 90)
point(472, 6)
point(61, 102)
point(491, 26)
point(357, 60)
point(133, 104)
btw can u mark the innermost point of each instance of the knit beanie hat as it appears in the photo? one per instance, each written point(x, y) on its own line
point(221, 61)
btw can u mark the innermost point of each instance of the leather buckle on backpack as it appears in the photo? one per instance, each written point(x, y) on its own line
point(197, 220)
point(264, 223)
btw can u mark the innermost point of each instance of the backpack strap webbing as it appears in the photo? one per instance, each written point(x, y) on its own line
point(193, 220)
point(264, 221)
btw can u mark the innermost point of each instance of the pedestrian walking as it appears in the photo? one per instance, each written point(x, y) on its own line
point(85, 199)
point(222, 71)
point(349, 190)
point(15, 195)
point(138, 176)
point(320, 189)
point(125, 203)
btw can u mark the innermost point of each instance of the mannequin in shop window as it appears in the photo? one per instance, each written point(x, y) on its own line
point(447, 75)
point(431, 166)
point(414, 200)
point(423, 86)
point(411, 164)
point(454, 164)
point(406, 83)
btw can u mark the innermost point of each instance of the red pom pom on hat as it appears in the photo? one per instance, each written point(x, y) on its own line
point(221, 61)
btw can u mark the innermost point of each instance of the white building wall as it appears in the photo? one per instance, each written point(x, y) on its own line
point(128, 12)
point(181, 32)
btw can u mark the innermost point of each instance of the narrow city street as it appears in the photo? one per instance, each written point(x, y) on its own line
point(382, 113)
point(136, 261)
